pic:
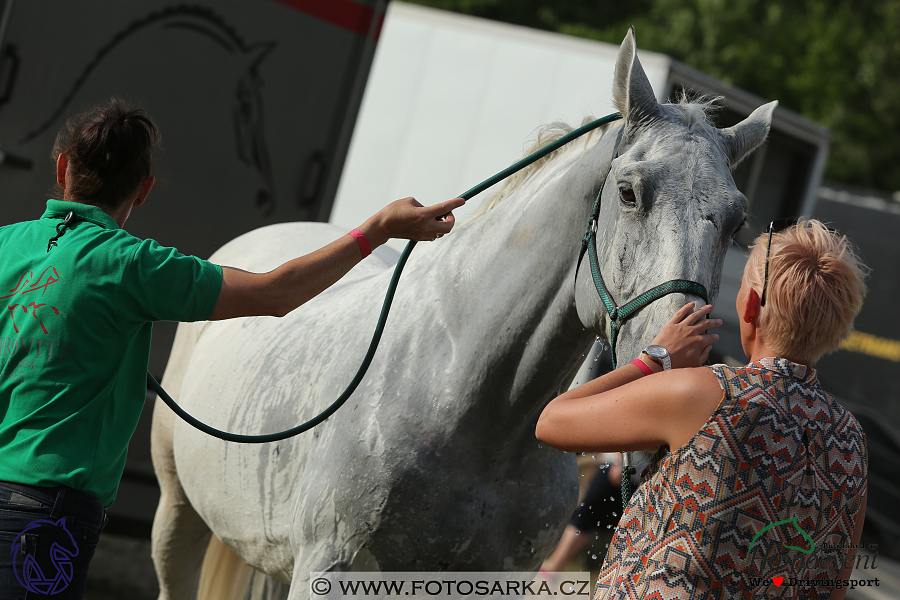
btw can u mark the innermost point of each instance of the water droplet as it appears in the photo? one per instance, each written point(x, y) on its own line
point(609, 526)
point(577, 532)
point(547, 525)
point(594, 556)
point(582, 474)
point(582, 504)
point(584, 453)
point(540, 445)
point(614, 514)
point(598, 525)
point(593, 457)
point(532, 550)
point(607, 545)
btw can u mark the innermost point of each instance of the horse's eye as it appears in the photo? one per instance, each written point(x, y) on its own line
point(738, 229)
point(627, 195)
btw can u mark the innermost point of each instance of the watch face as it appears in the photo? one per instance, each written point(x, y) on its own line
point(657, 351)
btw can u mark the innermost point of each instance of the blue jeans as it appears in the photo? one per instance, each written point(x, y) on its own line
point(47, 539)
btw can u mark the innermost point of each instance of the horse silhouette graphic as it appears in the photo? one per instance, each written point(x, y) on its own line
point(185, 28)
point(51, 571)
point(792, 520)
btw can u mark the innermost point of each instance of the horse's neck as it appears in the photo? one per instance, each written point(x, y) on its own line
point(517, 265)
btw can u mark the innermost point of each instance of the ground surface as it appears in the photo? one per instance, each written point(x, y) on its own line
point(121, 569)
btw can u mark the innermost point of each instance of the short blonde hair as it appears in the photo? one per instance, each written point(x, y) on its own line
point(815, 290)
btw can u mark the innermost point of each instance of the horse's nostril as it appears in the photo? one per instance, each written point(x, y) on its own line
point(264, 203)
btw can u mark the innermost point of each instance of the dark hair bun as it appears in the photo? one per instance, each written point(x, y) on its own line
point(109, 151)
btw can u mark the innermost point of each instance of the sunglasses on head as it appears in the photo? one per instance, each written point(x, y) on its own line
point(774, 227)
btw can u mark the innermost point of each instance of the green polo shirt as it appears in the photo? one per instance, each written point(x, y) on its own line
point(75, 341)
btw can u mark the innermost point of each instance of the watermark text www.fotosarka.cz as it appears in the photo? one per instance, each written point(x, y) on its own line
point(447, 585)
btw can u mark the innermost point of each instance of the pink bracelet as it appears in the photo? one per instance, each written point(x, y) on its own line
point(362, 241)
point(643, 367)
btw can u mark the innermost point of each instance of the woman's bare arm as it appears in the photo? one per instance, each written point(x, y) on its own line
point(624, 411)
point(280, 291)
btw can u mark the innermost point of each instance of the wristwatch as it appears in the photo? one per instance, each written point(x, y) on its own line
point(660, 355)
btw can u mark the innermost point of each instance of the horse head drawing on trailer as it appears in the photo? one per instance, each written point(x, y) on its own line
point(141, 59)
point(432, 465)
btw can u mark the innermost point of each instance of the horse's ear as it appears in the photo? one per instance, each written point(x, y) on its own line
point(746, 136)
point(632, 92)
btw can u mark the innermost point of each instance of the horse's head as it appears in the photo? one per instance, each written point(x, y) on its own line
point(669, 207)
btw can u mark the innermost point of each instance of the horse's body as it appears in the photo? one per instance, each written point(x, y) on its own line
point(432, 464)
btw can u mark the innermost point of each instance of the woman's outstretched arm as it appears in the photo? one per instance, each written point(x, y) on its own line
point(280, 291)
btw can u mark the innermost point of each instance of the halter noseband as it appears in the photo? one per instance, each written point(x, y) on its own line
point(619, 314)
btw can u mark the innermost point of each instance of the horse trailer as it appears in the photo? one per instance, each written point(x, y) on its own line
point(255, 101)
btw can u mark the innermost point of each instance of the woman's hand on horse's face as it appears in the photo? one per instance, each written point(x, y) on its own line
point(407, 219)
point(685, 337)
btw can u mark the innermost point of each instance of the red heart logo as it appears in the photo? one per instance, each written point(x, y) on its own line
point(778, 581)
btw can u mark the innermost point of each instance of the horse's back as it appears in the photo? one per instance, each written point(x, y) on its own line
point(259, 251)
point(268, 247)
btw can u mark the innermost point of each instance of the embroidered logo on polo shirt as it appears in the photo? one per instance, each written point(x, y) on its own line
point(27, 284)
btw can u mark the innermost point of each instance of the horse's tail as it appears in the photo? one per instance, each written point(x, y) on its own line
point(224, 575)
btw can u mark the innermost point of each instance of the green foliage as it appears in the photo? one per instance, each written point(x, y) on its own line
point(836, 62)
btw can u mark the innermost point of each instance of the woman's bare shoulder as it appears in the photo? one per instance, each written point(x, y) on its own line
point(693, 395)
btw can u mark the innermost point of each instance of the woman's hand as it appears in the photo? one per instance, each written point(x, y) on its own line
point(407, 219)
point(685, 337)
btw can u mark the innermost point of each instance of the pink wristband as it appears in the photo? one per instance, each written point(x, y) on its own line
point(643, 367)
point(362, 241)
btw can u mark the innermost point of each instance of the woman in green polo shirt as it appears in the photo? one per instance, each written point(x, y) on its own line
point(81, 295)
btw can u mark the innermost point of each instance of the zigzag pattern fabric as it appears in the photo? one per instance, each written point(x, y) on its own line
point(721, 517)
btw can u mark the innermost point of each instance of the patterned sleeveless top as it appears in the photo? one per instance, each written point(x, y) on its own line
point(761, 503)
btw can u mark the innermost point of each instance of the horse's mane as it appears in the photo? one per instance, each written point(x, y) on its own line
point(546, 134)
point(693, 112)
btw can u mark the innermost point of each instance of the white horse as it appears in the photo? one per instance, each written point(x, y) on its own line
point(432, 464)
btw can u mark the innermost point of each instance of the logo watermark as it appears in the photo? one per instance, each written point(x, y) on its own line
point(447, 585)
point(51, 571)
point(831, 557)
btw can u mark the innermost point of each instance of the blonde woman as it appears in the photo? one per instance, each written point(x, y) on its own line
point(759, 485)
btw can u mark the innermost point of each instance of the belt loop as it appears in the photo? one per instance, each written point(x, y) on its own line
point(58, 505)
